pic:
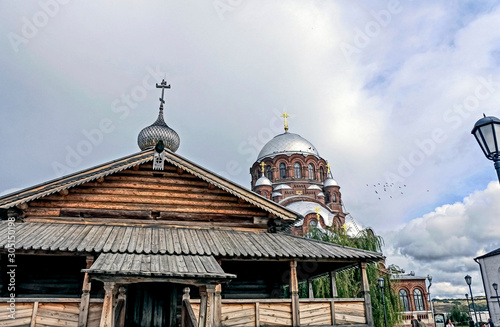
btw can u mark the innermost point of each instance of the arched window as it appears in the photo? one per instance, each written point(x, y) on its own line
point(404, 299)
point(282, 171)
point(321, 173)
point(311, 171)
point(417, 297)
point(269, 173)
point(334, 197)
point(298, 169)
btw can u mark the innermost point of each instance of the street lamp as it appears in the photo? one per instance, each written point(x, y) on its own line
point(487, 134)
point(495, 287)
point(429, 278)
point(468, 280)
point(381, 284)
point(468, 305)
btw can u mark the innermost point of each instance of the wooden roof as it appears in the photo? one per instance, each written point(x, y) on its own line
point(87, 238)
point(91, 174)
point(158, 265)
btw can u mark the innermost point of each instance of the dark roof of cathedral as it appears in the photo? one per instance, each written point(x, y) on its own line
point(87, 175)
point(87, 238)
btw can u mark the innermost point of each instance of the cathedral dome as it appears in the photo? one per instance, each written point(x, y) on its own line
point(159, 130)
point(263, 181)
point(330, 182)
point(287, 143)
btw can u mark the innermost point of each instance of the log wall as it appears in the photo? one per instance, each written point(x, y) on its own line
point(278, 312)
point(48, 313)
point(144, 194)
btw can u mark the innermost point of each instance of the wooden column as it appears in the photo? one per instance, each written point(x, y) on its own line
point(294, 291)
point(365, 289)
point(185, 296)
point(85, 300)
point(310, 288)
point(122, 297)
point(207, 306)
point(333, 284)
point(173, 305)
point(218, 306)
point(107, 307)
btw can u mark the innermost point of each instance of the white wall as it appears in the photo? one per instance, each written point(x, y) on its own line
point(491, 274)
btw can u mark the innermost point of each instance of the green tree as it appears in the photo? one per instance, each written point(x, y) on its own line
point(348, 282)
point(459, 314)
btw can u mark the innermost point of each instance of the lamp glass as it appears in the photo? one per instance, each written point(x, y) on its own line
point(468, 280)
point(495, 286)
point(381, 282)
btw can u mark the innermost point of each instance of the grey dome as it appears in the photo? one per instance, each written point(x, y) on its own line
point(330, 182)
point(263, 181)
point(287, 143)
point(159, 130)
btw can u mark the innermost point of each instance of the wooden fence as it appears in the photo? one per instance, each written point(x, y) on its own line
point(278, 312)
point(44, 312)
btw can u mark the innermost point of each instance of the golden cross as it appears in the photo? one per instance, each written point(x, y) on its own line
point(344, 226)
point(285, 115)
point(262, 164)
point(328, 166)
point(317, 209)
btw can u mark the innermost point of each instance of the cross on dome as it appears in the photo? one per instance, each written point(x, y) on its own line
point(285, 116)
point(262, 165)
point(163, 85)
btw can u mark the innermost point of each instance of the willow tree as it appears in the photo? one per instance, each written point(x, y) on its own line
point(348, 282)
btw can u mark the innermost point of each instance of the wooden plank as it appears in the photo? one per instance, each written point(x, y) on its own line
point(257, 314)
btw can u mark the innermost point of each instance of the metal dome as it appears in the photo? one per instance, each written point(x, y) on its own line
point(263, 181)
point(287, 143)
point(159, 130)
point(330, 182)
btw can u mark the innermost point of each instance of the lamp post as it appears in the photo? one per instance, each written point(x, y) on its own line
point(487, 134)
point(468, 305)
point(429, 278)
point(495, 287)
point(468, 280)
point(381, 284)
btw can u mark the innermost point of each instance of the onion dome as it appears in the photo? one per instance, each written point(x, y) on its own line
point(159, 130)
point(263, 181)
point(330, 182)
point(288, 144)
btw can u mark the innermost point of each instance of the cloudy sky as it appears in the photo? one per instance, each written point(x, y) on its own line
point(387, 91)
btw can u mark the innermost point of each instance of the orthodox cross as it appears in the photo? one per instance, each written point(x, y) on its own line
point(317, 209)
point(344, 226)
point(262, 164)
point(285, 115)
point(163, 85)
point(328, 166)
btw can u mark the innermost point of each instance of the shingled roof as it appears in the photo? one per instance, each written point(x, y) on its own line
point(91, 174)
point(88, 238)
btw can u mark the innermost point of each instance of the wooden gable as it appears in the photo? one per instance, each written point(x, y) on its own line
point(142, 195)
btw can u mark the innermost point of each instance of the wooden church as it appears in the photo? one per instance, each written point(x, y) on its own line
point(153, 239)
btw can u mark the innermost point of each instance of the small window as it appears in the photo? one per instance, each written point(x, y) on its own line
point(298, 169)
point(321, 174)
point(269, 173)
point(419, 303)
point(311, 171)
point(404, 299)
point(282, 171)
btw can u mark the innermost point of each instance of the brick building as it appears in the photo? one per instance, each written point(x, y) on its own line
point(290, 171)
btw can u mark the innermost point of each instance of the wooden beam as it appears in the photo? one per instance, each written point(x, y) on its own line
point(310, 289)
point(294, 291)
point(33, 314)
point(333, 284)
point(84, 304)
point(107, 318)
point(365, 290)
point(122, 297)
point(207, 306)
point(218, 305)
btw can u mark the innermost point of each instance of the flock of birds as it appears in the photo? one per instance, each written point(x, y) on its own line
point(388, 190)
